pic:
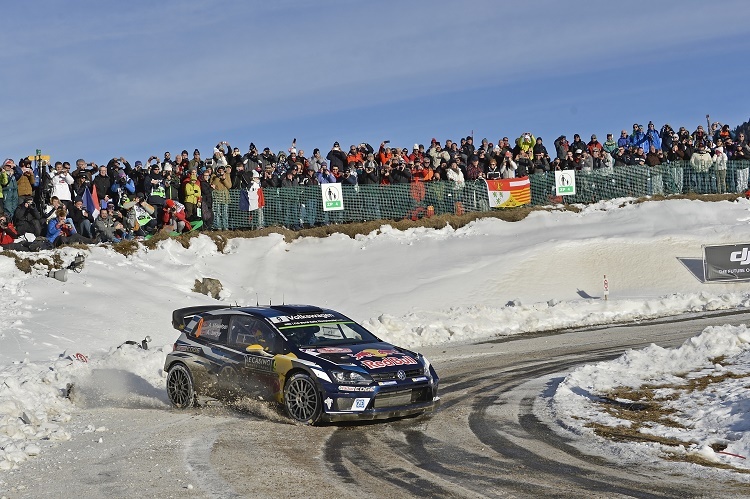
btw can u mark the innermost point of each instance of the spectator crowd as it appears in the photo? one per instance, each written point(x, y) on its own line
point(45, 205)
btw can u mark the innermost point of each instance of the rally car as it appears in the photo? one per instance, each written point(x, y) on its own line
point(319, 364)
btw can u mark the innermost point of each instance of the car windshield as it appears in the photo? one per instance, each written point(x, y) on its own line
point(329, 333)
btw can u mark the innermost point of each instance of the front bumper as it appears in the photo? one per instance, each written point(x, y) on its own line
point(386, 401)
point(383, 413)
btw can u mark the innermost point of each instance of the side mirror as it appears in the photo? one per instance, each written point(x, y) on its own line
point(255, 349)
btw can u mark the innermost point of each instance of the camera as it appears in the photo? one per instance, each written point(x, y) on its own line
point(210, 162)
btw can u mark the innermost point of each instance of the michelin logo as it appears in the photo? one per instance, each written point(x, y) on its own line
point(741, 256)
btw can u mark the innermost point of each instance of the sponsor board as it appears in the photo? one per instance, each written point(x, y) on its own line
point(372, 352)
point(726, 263)
point(330, 350)
point(389, 362)
point(259, 363)
point(346, 388)
point(302, 319)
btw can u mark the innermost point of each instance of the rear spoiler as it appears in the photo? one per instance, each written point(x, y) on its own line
point(179, 315)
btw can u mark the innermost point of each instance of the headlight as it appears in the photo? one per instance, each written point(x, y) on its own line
point(350, 378)
point(426, 366)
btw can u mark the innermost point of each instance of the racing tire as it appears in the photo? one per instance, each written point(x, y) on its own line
point(180, 387)
point(302, 400)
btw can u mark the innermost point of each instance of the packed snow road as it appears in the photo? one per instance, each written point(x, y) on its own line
point(483, 441)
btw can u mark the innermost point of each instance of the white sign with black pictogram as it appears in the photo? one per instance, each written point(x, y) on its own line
point(333, 197)
point(565, 182)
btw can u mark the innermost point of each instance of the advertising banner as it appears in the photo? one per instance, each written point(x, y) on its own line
point(729, 262)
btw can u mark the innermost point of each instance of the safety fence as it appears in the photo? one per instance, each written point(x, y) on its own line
point(295, 207)
point(636, 181)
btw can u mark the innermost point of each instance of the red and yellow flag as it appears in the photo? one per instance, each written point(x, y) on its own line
point(509, 192)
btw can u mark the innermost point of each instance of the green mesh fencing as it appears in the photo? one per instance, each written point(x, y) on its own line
point(636, 181)
point(295, 207)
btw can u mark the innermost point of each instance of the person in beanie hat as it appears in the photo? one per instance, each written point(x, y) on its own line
point(336, 157)
point(196, 163)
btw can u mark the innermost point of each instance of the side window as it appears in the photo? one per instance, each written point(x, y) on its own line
point(214, 329)
point(245, 331)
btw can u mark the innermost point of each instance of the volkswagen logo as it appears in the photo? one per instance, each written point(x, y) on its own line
point(401, 375)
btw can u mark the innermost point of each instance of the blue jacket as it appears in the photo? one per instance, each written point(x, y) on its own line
point(325, 179)
point(638, 138)
point(128, 185)
point(651, 137)
point(54, 231)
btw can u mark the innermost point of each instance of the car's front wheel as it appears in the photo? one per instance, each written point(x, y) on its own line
point(180, 386)
point(302, 400)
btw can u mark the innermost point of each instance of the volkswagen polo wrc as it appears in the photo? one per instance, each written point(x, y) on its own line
point(319, 364)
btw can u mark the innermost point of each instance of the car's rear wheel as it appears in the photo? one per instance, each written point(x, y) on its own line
point(302, 399)
point(180, 386)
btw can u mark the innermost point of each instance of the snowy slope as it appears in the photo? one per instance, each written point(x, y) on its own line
point(416, 287)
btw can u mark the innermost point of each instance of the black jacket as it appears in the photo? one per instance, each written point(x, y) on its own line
point(27, 220)
point(241, 179)
point(369, 178)
point(400, 176)
point(103, 184)
point(336, 157)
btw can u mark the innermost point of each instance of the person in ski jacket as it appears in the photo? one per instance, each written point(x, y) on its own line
point(173, 217)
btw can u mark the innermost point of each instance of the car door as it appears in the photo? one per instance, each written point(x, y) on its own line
point(212, 359)
point(257, 373)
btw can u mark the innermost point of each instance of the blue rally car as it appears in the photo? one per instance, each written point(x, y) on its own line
point(318, 363)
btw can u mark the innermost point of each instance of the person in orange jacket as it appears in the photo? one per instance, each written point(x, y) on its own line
point(354, 156)
point(384, 154)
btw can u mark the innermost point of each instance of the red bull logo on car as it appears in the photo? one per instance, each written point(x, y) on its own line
point(373, 352)
point(388, 362)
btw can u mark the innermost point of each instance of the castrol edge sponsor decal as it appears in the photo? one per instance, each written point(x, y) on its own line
point(347, 388)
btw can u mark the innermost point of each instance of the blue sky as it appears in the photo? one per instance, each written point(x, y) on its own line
point(97, 79)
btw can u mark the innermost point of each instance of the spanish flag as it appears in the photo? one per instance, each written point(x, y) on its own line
point(509, 192)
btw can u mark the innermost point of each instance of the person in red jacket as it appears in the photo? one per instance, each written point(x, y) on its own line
point(9, 234)
point(174, 217)
point(594, 144)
